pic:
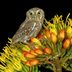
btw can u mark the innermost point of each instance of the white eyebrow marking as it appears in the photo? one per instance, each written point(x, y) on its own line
point(37, 11)
point(31, 12)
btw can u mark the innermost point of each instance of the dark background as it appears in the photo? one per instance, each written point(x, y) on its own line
point(12, 14)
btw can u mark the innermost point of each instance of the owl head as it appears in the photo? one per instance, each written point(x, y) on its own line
point(35, 14)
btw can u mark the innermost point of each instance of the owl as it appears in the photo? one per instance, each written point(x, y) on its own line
point(30, 27)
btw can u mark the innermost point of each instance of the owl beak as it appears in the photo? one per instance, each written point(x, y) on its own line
point(35, 17)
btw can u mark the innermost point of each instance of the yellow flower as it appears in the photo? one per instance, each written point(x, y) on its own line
point(57, 18)
point(2, 57)
point(6, 50)
point(69, 31)
point(2, 67)
point(10, 40)
point(16, 63)
point(69, 28)
point(26, 48)
point(70, 22)
point(13, 52)
point(35, 40)
point(9, 68)
point(21, 56)
point(53, 29)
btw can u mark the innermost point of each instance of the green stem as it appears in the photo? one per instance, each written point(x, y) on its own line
point(57, 66)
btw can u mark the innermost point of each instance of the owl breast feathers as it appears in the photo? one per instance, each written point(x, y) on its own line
point(30, 27)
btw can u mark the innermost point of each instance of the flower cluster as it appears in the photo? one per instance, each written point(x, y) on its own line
point(52, 47)
point(37, 50)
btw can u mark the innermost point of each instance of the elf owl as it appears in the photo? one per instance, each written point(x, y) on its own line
point(31, 26)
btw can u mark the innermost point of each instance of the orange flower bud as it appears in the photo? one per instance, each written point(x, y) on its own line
point(33, 62)
point(35, 40)
point(71, 40)
point(61, 34)
point(24, 52)
point(47, 33)
point(27, 63)
point(40, 36)
point(38, 51)
point(32, 52)
point(29, 55)
point(53, 37)
point(37, 47)
point(66, 43)
point(48, 50)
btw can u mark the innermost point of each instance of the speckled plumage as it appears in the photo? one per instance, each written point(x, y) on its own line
point(31, 26)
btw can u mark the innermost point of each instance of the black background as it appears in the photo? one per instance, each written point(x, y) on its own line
point(12, 14)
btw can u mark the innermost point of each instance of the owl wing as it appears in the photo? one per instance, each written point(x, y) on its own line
point(23, 33)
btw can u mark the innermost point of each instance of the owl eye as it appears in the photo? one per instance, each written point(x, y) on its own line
point(38, 12)
point(31, 13)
